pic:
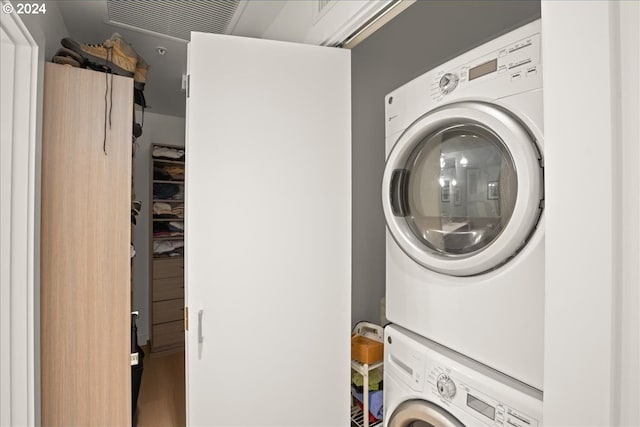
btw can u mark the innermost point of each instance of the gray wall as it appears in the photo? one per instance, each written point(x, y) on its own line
point(420, 38)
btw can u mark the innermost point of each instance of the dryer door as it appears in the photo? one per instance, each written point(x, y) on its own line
point(463, 188)
point(420, 413)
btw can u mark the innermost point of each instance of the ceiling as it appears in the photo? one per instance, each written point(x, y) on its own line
point(88, 22)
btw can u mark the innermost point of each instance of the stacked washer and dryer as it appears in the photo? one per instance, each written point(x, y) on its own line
point(463, 198)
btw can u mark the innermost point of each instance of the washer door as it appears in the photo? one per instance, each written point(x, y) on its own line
point(462, 189)
point(420, 413)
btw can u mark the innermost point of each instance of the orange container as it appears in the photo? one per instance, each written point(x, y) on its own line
point(366, 350)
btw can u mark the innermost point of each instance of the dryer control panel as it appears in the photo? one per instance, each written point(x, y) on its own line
point(508, 65)
point(512, 63)
point(453, 388)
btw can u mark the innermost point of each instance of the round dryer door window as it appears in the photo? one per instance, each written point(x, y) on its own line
point(463, 188)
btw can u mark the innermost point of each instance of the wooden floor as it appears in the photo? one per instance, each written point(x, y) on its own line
point(161, 402)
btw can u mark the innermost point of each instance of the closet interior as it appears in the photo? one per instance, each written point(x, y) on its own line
point(167, 249)
point(159, 274)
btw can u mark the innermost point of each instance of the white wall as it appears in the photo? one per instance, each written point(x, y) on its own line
point(591, 145)
point(47, 29)
point(158, 129)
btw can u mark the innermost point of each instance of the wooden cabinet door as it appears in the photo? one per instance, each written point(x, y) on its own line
point(85, 237)
point(268, 233)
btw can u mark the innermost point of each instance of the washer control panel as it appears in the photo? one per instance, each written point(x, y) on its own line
point(514, 62)
point(454, 389)
point(448, 83)
point(446, 386)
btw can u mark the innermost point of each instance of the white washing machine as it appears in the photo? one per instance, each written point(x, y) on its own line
point(428, 385)
point(463, 198)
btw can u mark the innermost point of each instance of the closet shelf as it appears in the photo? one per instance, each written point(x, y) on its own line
point(169, 200)
point(363, 368)
point(360, 416)
point(158, 256)
point(172, 162)
point(357, 418)
point(180, 237)
point(168, 219)
point(168, 181)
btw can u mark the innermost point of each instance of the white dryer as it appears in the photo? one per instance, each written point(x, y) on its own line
point(463, 198)
point(428, 385)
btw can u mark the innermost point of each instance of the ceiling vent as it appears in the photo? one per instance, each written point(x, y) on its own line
point(321, 8)
point(173, 18)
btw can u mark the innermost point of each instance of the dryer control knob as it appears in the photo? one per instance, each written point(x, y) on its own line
point(446, 386)
point(448, 83)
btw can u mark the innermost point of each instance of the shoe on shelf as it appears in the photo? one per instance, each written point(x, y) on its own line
point(140, 76)
point(64, 52)
point(65, 60)
point(113, 56)
point(122, 47)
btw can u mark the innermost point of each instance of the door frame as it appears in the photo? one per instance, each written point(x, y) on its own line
point(18, 246)
point(594, 276)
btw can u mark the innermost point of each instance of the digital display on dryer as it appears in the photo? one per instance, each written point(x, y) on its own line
point(483, 69)
point(482, 407)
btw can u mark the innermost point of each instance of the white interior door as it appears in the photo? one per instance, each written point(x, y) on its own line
point(268, 233)
point(18, 247)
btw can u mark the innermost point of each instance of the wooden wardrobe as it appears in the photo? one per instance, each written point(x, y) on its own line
point(85, 248)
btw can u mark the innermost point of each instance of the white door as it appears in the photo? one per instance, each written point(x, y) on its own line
point(18, 248)
point(268, 233)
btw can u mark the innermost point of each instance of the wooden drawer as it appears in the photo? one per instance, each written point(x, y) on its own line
point(168, 268)
point(168, 311)
point(168, 288)
point(168, 335)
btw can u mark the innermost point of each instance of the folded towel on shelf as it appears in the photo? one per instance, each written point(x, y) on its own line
point(375, 380)
point(161, 208)
point(176, 226)
point(178, 211)
point(168, 172)
point(376, 401)
point(167, 246)
point(177, 252)
point(174, 171)
point(168, 153)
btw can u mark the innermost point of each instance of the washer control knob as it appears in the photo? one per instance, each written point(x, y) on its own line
point(446, 386)
point(448, 83)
